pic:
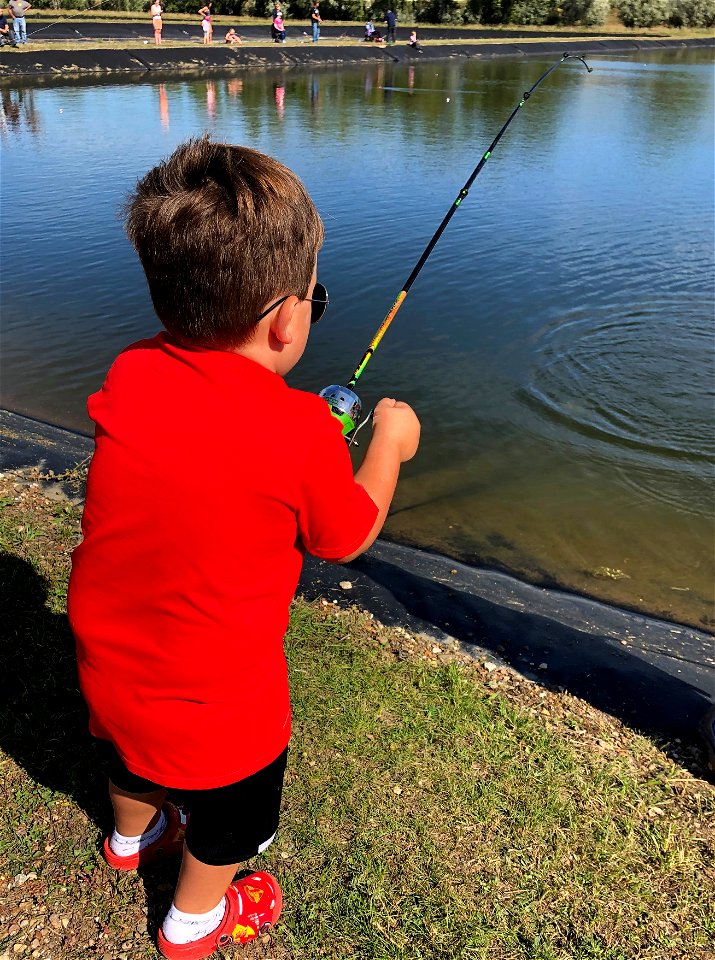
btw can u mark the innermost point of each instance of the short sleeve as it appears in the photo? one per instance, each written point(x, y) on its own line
point(335, 514)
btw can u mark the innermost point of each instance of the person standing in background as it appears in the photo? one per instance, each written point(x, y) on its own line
point(206, 24)
point(18, 9)
point(315, 20)
point(391, 21)
point(156, 21)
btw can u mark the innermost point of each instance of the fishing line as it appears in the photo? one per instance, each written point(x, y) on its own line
point(344, 403)
point(69, 16)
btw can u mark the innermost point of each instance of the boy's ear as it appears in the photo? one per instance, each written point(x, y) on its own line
point(282, 322)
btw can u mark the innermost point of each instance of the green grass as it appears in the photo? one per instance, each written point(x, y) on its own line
point(432, 811)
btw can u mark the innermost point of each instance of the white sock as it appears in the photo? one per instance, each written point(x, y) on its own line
point(127, 846)
point(180, 927)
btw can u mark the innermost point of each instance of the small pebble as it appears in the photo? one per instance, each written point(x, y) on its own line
point(346, 585)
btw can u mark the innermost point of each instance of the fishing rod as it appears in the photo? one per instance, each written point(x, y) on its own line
point(344, 403)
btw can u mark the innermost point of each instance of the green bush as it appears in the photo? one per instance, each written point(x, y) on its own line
point(586, 12)
point(693, 13)
point(487, 11)
point(438, 11)
point(644, 13)
point(531, 12)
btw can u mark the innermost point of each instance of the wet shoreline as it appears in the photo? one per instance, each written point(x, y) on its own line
point(195, 59)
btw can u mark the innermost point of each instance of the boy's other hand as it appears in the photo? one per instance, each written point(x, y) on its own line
point(397, 422)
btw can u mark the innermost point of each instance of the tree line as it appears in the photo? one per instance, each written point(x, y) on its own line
point(633, 13)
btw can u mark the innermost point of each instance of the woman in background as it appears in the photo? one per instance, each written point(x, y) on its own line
point(156, 21)
point(206, 24)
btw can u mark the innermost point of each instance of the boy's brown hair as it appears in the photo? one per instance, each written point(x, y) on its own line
point(221, 231)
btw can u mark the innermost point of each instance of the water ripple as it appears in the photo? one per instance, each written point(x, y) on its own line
point(638, 381)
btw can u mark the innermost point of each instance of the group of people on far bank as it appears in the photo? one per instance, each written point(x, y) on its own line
point(278, 31)
point(205, 12)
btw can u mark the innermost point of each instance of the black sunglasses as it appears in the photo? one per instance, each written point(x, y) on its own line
point(319, 301)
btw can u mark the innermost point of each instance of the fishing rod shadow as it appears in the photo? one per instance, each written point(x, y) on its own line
point(660, 684)
point(441, 498)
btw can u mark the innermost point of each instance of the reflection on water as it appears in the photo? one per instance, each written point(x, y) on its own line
point(163, 106)
point(18, 111)
point(558, 344)
point(280, 95)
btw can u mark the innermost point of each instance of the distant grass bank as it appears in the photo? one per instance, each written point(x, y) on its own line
point(40, 45)
point(613, 24)
point(434, 809)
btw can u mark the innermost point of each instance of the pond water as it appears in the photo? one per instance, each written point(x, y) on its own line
point(558, 346)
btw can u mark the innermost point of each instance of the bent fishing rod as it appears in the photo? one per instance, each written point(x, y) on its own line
point(344, 403)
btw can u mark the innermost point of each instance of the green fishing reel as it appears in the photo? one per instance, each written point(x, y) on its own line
point(345, 405)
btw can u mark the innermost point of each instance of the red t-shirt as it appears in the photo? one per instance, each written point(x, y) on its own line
point(210, 478)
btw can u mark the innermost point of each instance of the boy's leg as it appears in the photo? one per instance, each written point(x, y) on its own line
point(135, 813)
point(146, 826)
point(200, 886)
point(228, 826)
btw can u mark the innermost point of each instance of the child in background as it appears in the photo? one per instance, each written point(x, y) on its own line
point(412, 42)
point(232, 37)
point(179, 592)
point(279, 34)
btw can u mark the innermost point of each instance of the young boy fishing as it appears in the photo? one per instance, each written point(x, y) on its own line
point(210, 479)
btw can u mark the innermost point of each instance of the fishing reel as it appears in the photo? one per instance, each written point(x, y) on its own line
point(346, 406)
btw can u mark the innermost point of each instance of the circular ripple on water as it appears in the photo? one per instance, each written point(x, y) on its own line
point(642, 381)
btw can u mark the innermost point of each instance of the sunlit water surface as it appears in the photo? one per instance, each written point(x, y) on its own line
point(558, 345)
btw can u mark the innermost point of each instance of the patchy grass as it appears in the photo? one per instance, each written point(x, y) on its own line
point(433, 810)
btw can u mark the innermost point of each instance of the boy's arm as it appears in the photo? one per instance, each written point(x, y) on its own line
point(396, 434)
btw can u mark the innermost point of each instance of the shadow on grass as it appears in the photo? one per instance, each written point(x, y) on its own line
point(43, 718)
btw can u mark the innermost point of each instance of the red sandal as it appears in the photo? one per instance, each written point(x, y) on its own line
point(253, 906)
point(171, 841)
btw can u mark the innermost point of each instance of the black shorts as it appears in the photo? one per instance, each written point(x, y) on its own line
point(226, 824)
